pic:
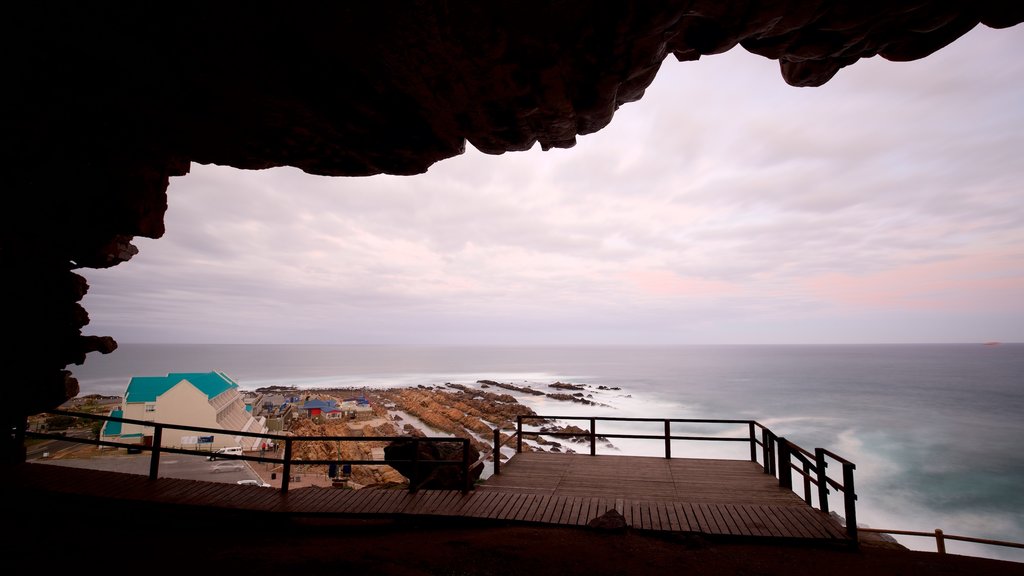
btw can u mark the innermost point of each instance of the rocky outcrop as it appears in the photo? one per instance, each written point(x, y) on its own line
point(364, 475)
point(109, 101)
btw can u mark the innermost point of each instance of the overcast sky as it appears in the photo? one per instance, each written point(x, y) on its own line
point(723, 207)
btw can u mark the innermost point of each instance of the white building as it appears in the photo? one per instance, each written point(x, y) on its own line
point(206, 400)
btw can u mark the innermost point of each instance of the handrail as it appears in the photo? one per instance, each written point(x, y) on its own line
point(941, 537)
point(777, 455)
point(286, 461)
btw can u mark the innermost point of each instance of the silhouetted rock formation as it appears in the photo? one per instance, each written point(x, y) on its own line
point(109, 100)
point(428, 475)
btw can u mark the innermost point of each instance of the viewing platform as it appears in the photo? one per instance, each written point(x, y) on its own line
point(736, 498)
point(763, 512)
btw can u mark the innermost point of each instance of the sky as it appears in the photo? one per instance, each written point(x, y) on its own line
point(724, 207)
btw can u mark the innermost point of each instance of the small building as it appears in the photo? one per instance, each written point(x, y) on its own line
point(204, 399)
point(316, 407)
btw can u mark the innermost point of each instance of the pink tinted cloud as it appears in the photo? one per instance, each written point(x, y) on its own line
point(668, 283)
point(991, 282)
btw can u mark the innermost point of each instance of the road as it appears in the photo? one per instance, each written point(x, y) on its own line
point(183, 466)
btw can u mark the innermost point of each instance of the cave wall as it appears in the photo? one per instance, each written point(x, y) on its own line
point(109, 100)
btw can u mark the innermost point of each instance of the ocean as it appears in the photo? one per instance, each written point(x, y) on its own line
point(936, 431)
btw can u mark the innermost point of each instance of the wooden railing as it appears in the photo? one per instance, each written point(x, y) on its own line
point(777, 454)
point(288, 442)
point(941, 537)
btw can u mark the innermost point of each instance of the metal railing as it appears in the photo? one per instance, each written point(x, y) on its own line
point(286, 461)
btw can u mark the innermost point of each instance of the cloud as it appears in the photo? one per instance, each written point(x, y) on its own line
point(725, 206)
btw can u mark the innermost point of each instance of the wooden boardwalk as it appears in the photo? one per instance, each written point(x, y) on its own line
point(675, 479)
point(649, 506)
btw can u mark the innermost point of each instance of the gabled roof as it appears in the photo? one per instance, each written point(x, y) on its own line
point(148, 388)
point(113, 428)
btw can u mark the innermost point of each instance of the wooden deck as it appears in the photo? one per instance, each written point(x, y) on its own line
point(643, 478)
point(565, 491)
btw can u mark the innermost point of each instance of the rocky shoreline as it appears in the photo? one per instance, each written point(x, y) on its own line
point(451, 409)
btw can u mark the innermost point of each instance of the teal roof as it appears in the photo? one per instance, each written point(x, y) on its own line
point(113, 428)
point(148, 388)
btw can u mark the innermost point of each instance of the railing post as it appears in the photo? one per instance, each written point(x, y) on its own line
point(807, 482)
point(785, 464)
point(154, 457)
point(821, 465)
point(593, 437)
point(668, 439)
point(415, 465)
point(497, 451)
point(286, 469)
point(850, 499)
point(766, 453)
point(940, 541)
point(465, 466)
point(753, 442)
point(519, 433)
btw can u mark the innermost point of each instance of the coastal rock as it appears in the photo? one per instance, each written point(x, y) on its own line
point(565, 386)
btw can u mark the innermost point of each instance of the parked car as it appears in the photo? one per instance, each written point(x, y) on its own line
point(234, 450)
point(259, 483)
point(231, 466)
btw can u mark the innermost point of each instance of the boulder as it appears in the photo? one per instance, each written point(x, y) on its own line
point(426, 475)
point(610, 521)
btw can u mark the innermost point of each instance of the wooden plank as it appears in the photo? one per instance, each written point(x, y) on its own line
point(757, 515)
point(795, 529)
point(636, 515)
point(574, 512)
point(666, 523)
point(809, 528)
point(537, 508)
point(487, 507)
point(778, 523)
point(480, 503)
point(648, 518)
point(524, 508)
point(757, 525)
point(553, 509)
point(356, 503)
point(585, 505)
point(513, 508)
point(673, 518)
point(723, 520)
point(736, 519)
point(499, 506)
point(710, 523)
point(458, 505)
point(687, 521)
point(443, 503)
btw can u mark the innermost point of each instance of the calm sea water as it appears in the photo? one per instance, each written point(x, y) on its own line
point(936, 431)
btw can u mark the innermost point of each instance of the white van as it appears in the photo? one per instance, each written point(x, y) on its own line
point(235, 450)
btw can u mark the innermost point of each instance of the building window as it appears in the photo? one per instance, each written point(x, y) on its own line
point(150, 407)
